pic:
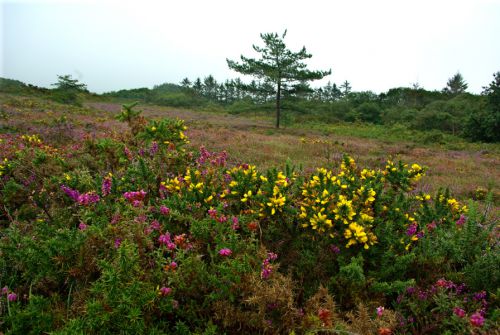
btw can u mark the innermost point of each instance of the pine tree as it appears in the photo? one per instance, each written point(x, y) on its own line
point(455, 85)
point(277, 65)
point(346, 89)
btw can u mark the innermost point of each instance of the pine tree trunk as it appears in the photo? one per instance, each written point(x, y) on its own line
point(278, 104)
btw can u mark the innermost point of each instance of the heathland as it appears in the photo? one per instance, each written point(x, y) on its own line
point(182, 210)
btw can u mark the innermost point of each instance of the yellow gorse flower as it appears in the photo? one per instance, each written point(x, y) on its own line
point(246, 196)
point(276, 203)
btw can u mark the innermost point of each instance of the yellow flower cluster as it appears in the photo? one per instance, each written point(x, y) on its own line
point(3, 167)
point(251, 188)
point(192, 184)
point(33, 139)
point(275, 203)
point(357, 234)
point(453, 204)
point(306, 140)
point(416, 172)
point(341, 205)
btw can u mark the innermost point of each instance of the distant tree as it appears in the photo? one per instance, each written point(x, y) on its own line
point(67, 83)
point(210, 87)
point(332, 92)
point(301, 90)
point(484, 125)
point(358, 98)
point(369, 112)
point(67, 90)
point(198, 86)
point(493, 92)
point(455, 85)
point(345, 89)
point(278, 65)
point(186, 83)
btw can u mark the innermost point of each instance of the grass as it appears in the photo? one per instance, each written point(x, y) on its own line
point(463, 167)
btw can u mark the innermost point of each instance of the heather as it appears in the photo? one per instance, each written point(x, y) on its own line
point(140, 231)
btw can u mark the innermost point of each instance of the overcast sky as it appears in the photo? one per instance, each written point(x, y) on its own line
point(374, 44)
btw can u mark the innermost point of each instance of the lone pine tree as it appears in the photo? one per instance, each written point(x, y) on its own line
point(277, 65)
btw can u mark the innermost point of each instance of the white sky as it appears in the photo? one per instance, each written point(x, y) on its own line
point(374, 44)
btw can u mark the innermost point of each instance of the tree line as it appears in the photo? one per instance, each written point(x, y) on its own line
point(451, 110)
point(281, 83)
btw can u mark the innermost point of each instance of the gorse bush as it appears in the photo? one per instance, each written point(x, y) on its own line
point(136, 234)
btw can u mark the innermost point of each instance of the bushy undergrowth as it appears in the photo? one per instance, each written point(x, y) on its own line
point(135, 234)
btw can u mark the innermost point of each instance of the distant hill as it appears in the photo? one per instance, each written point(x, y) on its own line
point(18, 87)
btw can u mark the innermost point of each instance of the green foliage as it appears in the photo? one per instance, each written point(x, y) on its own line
point(67, 90)
point(369, 112)
point(484, 125)
point(136, 234)
point(36, 317)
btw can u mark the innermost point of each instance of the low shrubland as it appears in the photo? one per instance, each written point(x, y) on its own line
point(133, 232)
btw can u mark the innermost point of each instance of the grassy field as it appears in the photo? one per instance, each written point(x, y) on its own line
point(463, 167)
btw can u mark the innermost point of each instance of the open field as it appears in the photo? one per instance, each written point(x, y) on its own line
point(255, 140)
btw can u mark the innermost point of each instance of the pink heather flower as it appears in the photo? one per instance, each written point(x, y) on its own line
point(412, 229)
point(461, 221)
point(235, 225)
point(5, 290)
point(164, 238)
point(267, 268)
point(164, 210)
point(380, 311)
point(155, 225)
point(118, 242)
point(266, 271)
point(431, 226)
point(173, 265)
point(225, 252)
point(115, 219)
point(73, 194)
point(479, 295)
point(212, 212)
point(458, 312)
point(140, 218)
point(204, 154)
point(476, 319)
point(222, 219)
point(442, 283)
point(128, 153)
point(134, 197)
point(153, 149)
point(12, 297)
point(106, 186)
point(272, 256)
point(88, 198)
point(82, 226)
point(335, 249)
point(164, 291)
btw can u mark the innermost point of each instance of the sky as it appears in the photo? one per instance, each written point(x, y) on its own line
point(374, 44)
